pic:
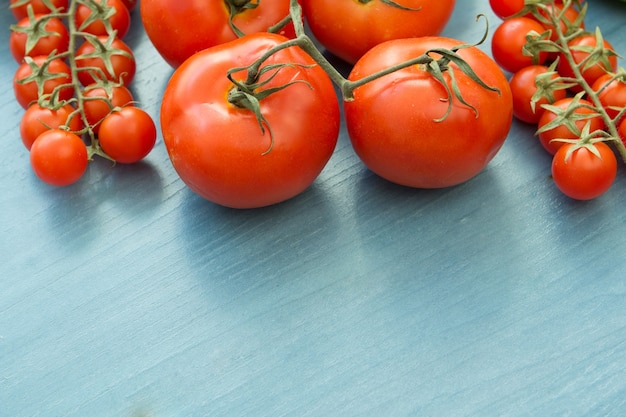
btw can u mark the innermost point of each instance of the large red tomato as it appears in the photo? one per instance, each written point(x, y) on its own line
point(394, 122)
point(178, 29)
point(219, 149)
point(348, 29)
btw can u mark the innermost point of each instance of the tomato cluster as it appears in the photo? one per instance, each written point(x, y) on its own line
point(253, 121)
point(73, 81)
point(565, 79)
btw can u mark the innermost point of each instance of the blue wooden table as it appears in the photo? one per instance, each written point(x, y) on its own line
point(126, 294)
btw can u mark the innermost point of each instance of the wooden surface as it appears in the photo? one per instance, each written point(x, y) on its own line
point(127, 294)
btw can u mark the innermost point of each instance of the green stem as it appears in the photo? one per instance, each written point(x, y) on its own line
point(591, 95)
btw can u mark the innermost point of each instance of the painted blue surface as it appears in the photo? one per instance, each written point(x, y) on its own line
point(127, 294)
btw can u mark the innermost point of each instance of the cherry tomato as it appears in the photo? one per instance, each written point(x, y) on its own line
point(130, 4)
point(611, 92)
point(127, 135)
point(37, 120)
point(122, 60)
point(561, 131)
point(393, 121)
point(99, 102)
point(621, 130)
point(39, 7)
point(582, 175)
point(58, 39)
point(119, 21)
point(348, 29)
point(27, 92)
point(199, 24)
point(506, 8)
point(579, 48)
point(219, 149)
point(567, 19)
point(58, 157)
point(508, 42)
point(524, 86)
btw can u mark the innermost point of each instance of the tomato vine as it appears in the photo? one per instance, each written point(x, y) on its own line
point(96, 59)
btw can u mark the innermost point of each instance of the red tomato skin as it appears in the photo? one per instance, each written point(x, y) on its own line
point(124, 66)
point(96, 107)
point(27, 93)
point(372, 23)
point(391, 121)
point(120, 20)
point(592, 73)
point(219, 151)
point(38, 7)
point(523, 88)
point(58, 157)
point(613, 93)
point(45, 45)
point(508, 40)
point(506, 8)
point(563, 132)
point(584, 176)
point(199, 24)
point(127, 135)
point(621, 130)
point(37, 120)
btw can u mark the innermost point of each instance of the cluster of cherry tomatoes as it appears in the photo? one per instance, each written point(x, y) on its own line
point(72, 80)
point(565, 79)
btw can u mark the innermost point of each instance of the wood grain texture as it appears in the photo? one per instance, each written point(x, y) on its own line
point(128, 294)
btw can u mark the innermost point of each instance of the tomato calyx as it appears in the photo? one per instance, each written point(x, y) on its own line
point(568, 116)
point(547, 84)
point(35, 30)
point(587, 140)
point(247, 94)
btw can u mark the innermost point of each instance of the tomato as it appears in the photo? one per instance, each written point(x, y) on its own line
point(579, 47)
point(58, 157)
point(120, 19)
point(130, 4)
point(562, 131)
point(392, 121)
point(506, 8)
point(58, 39)
point(508, 42)
point(524, 87)
point(348, 29)
point(621, 130)
point(27, 92)
point(122, 61)
point(39, 7)
point(567, 19)
point(198, 24)
point(37, 120)
point(611, 92)
point(219, 149)
point(580, 174)
point(99, 102)
point(127, 135)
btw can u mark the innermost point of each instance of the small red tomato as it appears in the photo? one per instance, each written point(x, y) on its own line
point(508, 41)
point(122, 61)
point(562, 131)
point(581, 174)
point(37, 120)
point(58, 157)
point(98, 102)
point(524, 86)
point(127, 135)
point(39, 7)
point(580, 47)
point(621, 131)
point(119, 20)
point(54, 36)
point(506, 8)
point(611, 92)
point(27, 92)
